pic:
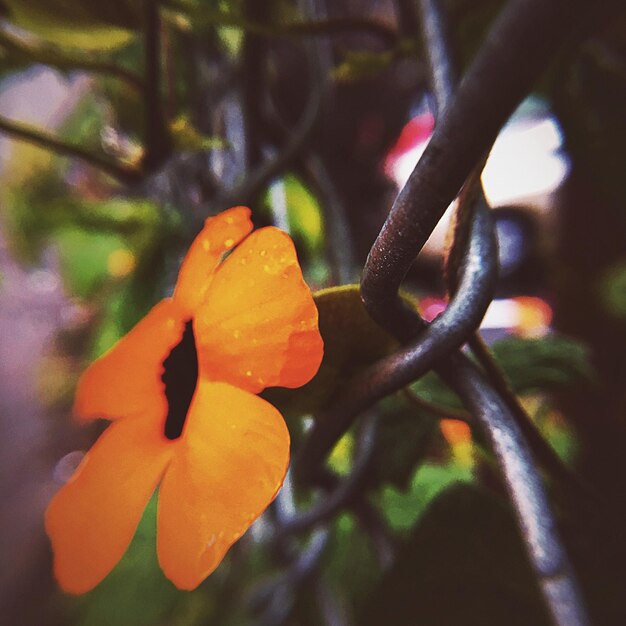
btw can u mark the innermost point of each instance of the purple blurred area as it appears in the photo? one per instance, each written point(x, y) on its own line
point(33, 437)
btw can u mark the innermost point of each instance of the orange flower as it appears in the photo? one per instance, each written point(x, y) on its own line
point(180, 390)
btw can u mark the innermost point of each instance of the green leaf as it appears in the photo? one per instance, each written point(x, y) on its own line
point(463, 564)
point(352, 565)
point(304, 212)
point(613, 290)
point(351, 342)
point(87, 259)
point(403, 507)
point(76, 23)
point(362, 64)
point(188, 138)
point(403, 440)
point(589, 91)
point(531, 365)
point(135, 593)
point(543, 364)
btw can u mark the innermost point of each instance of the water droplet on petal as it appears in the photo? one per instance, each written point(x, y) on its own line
point(228, 243)
point(211, 541)
point(249, 373)
point(206, 245)
point(263, 252)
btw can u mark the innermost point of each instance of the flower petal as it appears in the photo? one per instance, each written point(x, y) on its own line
point(92, 519)
point(220, 234)
point(258, 325)
point(126, 380)
point(229, 464)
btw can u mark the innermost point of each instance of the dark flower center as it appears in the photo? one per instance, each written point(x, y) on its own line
point(180, 376)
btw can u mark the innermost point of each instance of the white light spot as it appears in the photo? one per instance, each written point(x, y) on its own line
point(68, 464)
point(43, 281)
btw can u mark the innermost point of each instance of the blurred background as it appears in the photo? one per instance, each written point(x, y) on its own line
point(314, 113)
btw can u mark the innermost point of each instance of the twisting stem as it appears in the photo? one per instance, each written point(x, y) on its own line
point(501, 74)
point(157, 140)
point(254, 183)
point(44, 139)
point(442, 69)
point(390, 374)
point(344, 492)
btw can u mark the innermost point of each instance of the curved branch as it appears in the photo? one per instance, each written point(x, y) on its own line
point(345, 490)
point(44, 139)
point(254, 183)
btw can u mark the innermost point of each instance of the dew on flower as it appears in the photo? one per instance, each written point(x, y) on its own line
point(152, 411)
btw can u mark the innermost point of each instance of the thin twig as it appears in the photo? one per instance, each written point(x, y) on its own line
point(44, 139)
point(48, 54)
point(258, 179)
point(158, 143)
point(310, 27)
point(345, 491)
point(253, 56)
point(277, 599)
point(338, 235)
point(437, 410)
